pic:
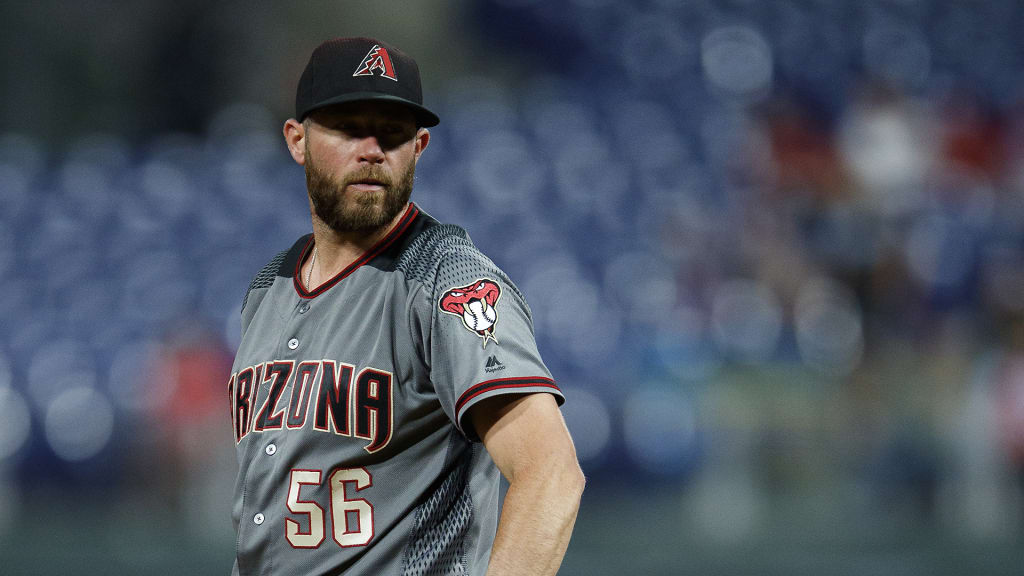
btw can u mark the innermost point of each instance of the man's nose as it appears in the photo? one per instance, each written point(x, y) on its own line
point(370, 150)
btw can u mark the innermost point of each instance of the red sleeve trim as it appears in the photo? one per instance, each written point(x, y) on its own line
point(502, 383)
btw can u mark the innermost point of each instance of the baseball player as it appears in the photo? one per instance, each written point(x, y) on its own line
point(387, 369)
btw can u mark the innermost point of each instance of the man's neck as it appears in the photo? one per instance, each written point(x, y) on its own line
point(335, 250)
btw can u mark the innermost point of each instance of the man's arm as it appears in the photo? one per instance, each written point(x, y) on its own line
point(527, 438)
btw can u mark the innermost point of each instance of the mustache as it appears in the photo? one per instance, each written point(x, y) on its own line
point(374, 174)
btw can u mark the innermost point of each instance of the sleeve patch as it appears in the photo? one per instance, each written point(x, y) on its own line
point(474, 303)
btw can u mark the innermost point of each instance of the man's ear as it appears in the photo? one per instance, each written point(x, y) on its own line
point(422, 139)
point(295, 138)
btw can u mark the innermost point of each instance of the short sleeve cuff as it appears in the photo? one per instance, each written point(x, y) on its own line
point(500, 387)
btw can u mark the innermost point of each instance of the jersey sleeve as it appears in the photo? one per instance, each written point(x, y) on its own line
point(481, 337)
point(262, 282)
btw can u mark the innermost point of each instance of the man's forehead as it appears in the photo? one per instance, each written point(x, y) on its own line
point(375, 109)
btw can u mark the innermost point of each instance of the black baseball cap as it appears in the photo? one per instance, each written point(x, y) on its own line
point(359, 69)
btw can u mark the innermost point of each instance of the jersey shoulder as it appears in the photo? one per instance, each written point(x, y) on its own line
point(443, 256)
point(280, 266)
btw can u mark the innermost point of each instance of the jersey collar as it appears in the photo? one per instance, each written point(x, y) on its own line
point(394, 234)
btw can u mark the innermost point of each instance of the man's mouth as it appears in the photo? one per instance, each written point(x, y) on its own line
point(368, 184)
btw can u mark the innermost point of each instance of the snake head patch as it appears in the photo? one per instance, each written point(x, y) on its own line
point(474, 303)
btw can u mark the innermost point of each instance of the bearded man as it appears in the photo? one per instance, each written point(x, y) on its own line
point(387, 371)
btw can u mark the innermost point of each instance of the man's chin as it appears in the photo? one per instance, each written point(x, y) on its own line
point(361, 217)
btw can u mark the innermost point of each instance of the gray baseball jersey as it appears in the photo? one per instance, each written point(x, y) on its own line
point(348, 407)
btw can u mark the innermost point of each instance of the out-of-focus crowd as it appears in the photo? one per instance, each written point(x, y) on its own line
point(774, 252)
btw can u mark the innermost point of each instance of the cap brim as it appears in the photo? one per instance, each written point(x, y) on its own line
point(424, 117)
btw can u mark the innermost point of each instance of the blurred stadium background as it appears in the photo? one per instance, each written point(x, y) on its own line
point(774, 250)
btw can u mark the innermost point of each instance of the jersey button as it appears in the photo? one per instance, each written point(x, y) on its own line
point(293, 343)
point(258, 519)
point(304, 308)
point(271, 449)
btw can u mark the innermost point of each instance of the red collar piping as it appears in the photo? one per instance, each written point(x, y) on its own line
point(410, 214)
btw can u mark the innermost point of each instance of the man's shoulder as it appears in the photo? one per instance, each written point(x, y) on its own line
point(435, 246)
point(442, 256)
point(281, 265)
point(285, 262)
point(429, 248)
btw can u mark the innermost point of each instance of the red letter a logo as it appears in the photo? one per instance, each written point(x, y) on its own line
point(376, 59)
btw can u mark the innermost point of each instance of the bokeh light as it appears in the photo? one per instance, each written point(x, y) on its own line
point(57, 366)
point(829, 327)
point(15, 422)
point(589, 422)
point(737, 61)
point(746, 318)
point(660, 430)
point(79, 423)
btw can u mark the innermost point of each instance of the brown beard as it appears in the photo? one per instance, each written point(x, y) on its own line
point(365, 212)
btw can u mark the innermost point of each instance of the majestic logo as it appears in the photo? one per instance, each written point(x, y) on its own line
point(474, 303)
point(377, 59)
point(493, 365)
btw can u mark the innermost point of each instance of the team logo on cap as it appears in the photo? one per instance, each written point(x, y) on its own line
point(474, 303)
point(377, 59)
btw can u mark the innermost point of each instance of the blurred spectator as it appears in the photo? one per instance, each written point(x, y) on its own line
point(193, 453)
point(1009, 397)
